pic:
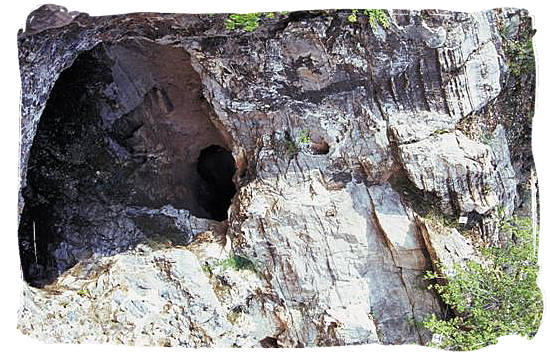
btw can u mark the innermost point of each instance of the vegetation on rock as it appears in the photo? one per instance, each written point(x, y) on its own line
point(249, 22)
point(375, 16)
point(303, 137)
point(519, 51)
point(492, 299)
point(234, 262)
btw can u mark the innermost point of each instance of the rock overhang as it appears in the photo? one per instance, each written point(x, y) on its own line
point(122, 133)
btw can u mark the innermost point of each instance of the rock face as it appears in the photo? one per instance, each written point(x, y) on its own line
point(466, 175)
point(184, 184)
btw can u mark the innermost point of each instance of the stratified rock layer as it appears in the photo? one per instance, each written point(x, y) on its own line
point(333, 144)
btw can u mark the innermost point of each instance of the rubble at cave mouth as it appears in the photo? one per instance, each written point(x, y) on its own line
point(125, 128)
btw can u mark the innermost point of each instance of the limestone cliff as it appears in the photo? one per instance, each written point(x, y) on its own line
point(186, 184)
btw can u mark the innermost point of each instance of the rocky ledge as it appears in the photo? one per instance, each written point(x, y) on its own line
point(187, 183)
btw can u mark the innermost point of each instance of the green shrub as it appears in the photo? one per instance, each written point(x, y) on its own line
point(496, 298)
point(519, 52)
point(440, 219)
point(521, 57)
point(375, 16)
point(249, 22)
point(291, 148)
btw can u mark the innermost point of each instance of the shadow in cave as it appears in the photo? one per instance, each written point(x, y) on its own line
point(124, 150)
point(216, 166)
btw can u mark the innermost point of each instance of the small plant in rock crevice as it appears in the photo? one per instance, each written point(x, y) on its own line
point(441, 131)
point(486, 189)
point(234, 262)
point(83, 292)
point(291, 148)
point(375, 17)
point(292, 145)
point(303, 137)
point(441, 219)
point(250, 21)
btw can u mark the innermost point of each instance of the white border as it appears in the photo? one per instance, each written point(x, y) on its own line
point(14, 16)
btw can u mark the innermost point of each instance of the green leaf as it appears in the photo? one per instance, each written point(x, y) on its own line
point(491, 299)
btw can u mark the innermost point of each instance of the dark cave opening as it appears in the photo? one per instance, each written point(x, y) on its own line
point(125, 134)
point(216, 166)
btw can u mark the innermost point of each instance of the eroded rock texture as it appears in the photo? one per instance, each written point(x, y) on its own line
point(182, 184)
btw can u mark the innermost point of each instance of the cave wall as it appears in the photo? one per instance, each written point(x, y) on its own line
point(120, 137)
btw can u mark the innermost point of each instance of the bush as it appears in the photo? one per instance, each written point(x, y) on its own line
point(375, 16)
point(303, 137)
point(248, 22)
point(496, 298)
point(519, 52)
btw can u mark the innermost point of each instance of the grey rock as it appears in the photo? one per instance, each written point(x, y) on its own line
point(447, 247)
point(466, 175)
point(146, 297)
point(327, 127)
point(49, 16)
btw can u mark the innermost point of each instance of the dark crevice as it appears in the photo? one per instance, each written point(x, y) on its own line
point(216, 166)
point(423, 238)
point(269, 342)
point(421, 201)
point(320, 148)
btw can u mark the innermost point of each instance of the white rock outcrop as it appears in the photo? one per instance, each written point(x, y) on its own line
point(341, 143)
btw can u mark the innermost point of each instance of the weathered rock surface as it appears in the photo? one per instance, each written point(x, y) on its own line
point(447, 247)
point(464, 174)
point(326, 144)
point(147, 297)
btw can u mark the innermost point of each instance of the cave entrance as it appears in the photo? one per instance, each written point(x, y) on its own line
point(216, 166)
point(125, 148)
